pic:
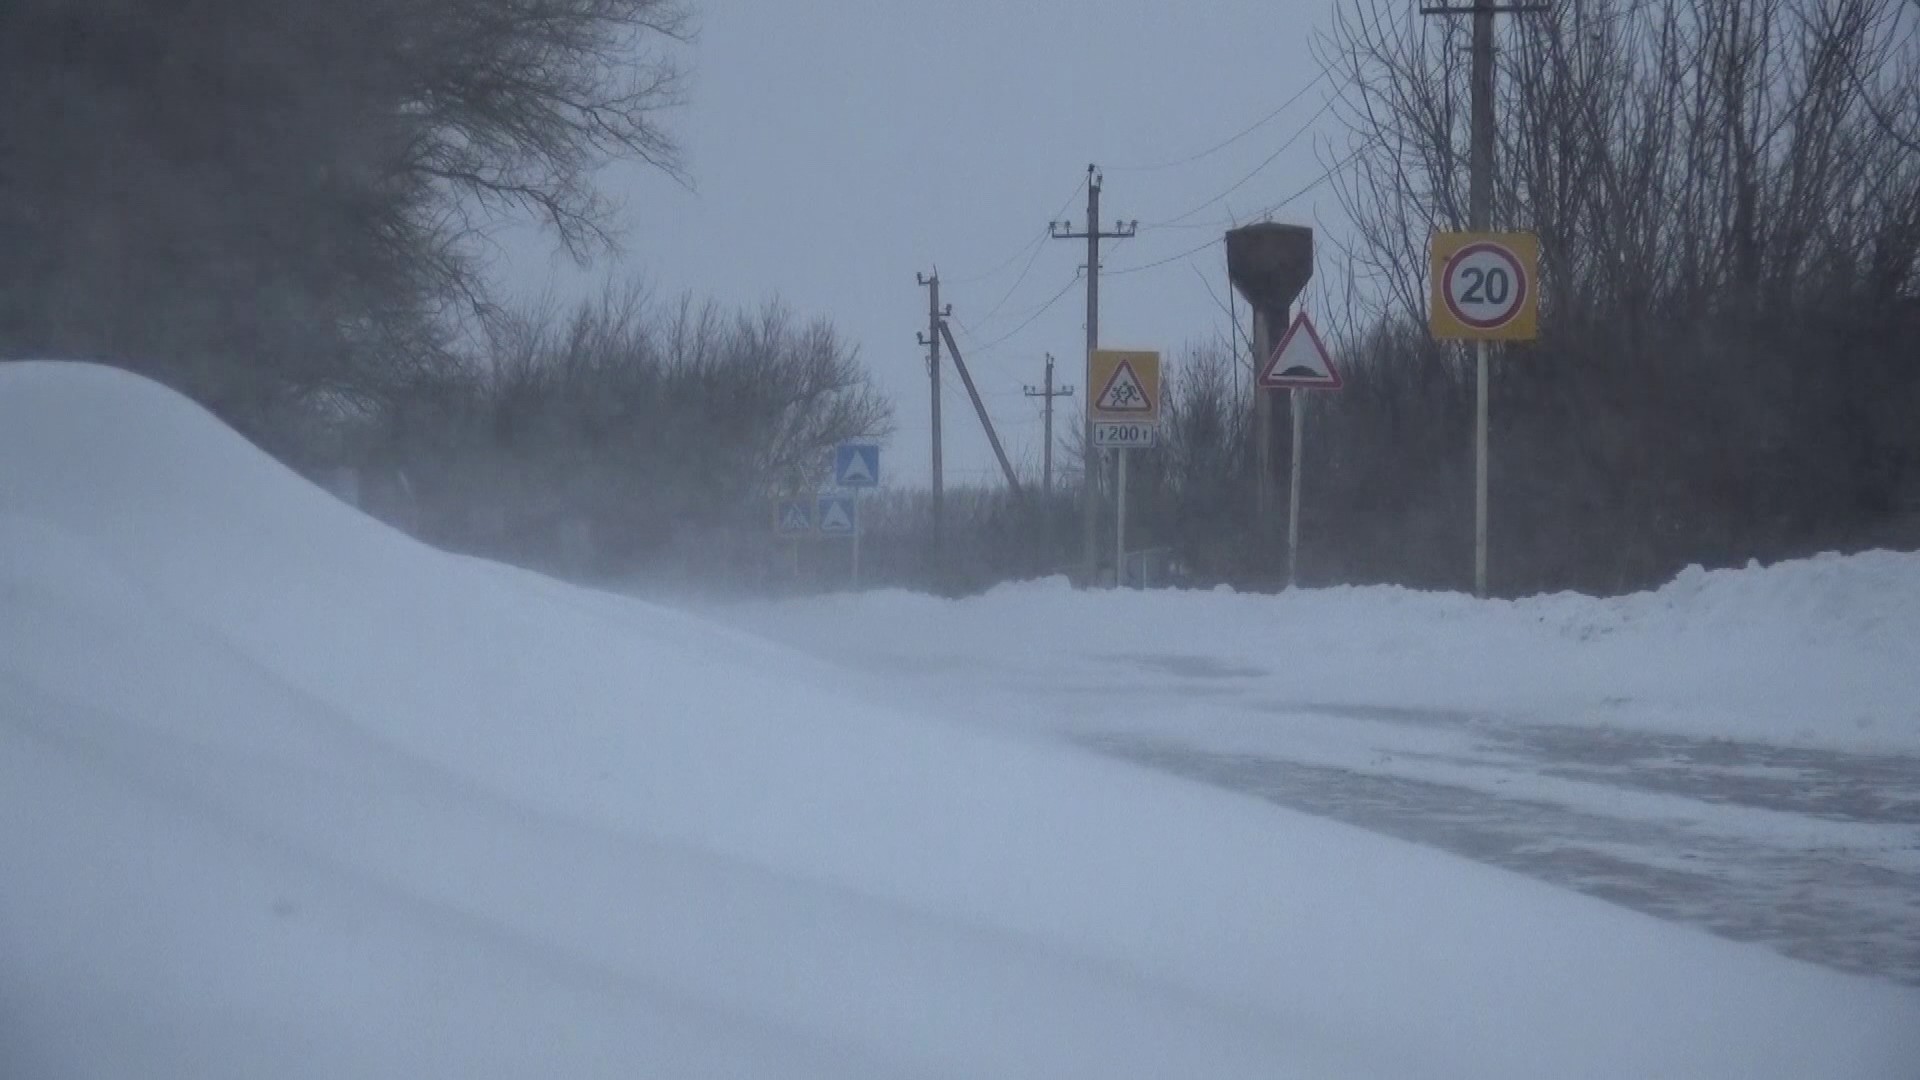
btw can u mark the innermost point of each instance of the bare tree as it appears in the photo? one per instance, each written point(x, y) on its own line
point(1728, 209)
point(268, 201)
point(516, 103)
point(639, 417)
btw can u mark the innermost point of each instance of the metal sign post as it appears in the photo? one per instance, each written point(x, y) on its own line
point(1121, 436)
point(1300, 362)
point(856, 467)
point(1484, 289)
point(1124, 412)
point(793, 519)
point(1299, 403)
point(839, 515)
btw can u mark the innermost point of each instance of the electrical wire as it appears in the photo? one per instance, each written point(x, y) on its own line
point(1042, 310)
point(1031, 250)
point(996, 271)
point(1257, 169)
point(1195, 250)
point(1230, 140)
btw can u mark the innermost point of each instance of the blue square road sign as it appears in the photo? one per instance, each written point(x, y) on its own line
point(792, 517)
point(856, 465)
point(839, 515)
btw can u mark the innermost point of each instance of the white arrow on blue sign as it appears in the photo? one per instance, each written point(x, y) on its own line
point(857, 465)
point(793, 517)
point(839, 515)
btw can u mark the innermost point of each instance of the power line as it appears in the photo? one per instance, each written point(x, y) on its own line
point(1215, 296)
point(1198, 248)
point(1041, 310)
point(1230, 140)
point(1257, 169)
point(1162, 262)
point(1023, 249)
point(1009, 261)
point(1039, 244)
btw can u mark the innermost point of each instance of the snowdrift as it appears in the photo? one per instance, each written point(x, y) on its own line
point(1821, 652)
point(287, 794)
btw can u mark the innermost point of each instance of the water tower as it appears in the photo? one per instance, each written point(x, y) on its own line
point(1269, 264)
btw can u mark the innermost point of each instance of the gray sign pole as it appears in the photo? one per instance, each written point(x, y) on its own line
point(1293, 494)
point(858, 527)
point(1120, 526)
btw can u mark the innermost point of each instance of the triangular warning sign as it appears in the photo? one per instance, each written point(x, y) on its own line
point(1123, 393)
point(857, 472)
point(834, 518)
point(1301, 362)
point(794, 518)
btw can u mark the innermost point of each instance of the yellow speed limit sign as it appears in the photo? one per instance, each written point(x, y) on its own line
point(1486, 287)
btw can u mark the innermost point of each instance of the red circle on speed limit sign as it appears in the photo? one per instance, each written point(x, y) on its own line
point(1485, 285)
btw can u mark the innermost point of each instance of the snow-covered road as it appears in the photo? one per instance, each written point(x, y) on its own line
point(1853, 906)
point(1810, 846)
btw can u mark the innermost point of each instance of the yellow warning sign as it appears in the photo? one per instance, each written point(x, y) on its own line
point(1123, 385)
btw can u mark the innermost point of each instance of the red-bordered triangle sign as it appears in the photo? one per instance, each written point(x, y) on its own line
point(1124, 393)
point(1301, 362)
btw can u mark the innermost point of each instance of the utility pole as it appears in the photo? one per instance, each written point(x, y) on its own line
point(1480, 211)
point(931, 339)
point(1063, 230)
point(1480, 218)
point(980, 407)
point(1046, 453)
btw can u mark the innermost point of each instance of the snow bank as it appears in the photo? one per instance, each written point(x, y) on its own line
point(290, 795)
point(1817, 652)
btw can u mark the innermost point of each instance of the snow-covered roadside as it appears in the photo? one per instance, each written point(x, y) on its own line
point(1819, 652)
point(290, 795)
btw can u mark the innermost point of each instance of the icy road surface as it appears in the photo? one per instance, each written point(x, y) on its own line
point(1853, 906)
point(1651, 793)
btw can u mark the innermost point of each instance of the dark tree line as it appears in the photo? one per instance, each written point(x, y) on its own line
point(281, 208)
point(1727, 194)
point(268, 201)
point(644, 435)
point(1730, 232)
point(1730, 218)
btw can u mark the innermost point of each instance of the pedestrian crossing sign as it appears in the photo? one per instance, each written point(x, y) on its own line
point(793, 517)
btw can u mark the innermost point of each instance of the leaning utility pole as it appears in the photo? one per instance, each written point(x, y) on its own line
point(1063, 230)
point(1480, 217)
point(1046, 453)
point(931, 339)
point(980, 408)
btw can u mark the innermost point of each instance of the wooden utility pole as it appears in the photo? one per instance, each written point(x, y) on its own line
point(1046, 453)
point(1480, 218)
point(1063, 230)
point(931, 339)
point(1480, 209)
point(980, 407)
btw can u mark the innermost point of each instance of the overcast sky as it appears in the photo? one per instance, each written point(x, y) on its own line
point(838, 147)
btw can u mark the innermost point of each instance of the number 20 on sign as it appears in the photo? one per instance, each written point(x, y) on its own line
point(1486, 287)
